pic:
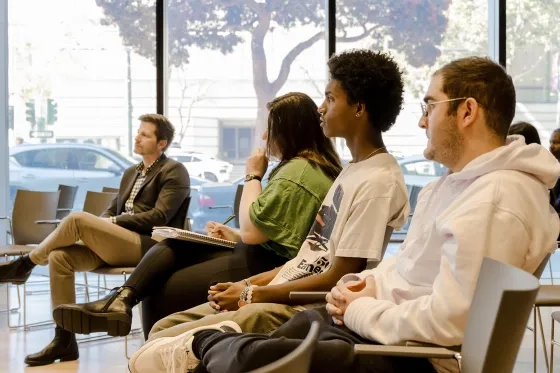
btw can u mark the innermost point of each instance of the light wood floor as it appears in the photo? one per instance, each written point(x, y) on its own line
point(108, 356)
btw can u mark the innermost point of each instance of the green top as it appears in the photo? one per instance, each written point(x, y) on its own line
point(288, 205)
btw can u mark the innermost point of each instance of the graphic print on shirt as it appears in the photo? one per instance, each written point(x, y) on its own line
point(321, 230)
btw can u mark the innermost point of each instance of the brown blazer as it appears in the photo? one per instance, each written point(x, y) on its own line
point(163, 199)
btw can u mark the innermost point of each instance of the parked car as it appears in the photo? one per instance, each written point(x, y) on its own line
point(203, 165)
point(42, 167)
point(214, 202)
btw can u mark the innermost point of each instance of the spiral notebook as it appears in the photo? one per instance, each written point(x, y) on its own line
point(181, 234)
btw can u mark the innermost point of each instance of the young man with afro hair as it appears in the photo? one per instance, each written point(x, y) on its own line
point(366, 202)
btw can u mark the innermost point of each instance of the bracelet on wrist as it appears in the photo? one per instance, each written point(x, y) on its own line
point(246, 296)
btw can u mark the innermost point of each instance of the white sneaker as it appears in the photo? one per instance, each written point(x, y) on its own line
point(171, 354)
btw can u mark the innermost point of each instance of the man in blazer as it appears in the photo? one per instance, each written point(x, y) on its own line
point(156, 192)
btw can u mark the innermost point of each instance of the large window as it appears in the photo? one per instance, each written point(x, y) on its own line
point(226, 63)
point(533, 40)
point(74, 80)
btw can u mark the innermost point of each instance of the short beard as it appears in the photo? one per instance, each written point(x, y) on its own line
point(452, 146)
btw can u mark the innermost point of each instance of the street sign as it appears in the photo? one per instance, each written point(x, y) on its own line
point(41, 134)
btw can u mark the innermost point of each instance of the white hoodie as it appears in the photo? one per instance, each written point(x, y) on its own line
point(496, 207)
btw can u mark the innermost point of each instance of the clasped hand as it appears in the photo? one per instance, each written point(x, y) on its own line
point(223, 297)
point(343, 294)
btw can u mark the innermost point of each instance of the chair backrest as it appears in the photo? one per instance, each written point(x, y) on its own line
point(97, 202)
point(501, 306)
point(109, 190)
point(297, 361)
point(185, 208)
point(30, 206)
point(371, 264)
point(66, 200)
point(236, 203)
point(539, 271)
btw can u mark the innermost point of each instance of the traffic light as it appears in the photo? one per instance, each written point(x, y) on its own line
point(11, 117)
point(52, 111)
point(30, 111)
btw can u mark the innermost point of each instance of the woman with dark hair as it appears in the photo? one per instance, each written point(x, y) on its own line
point(526, 130)
point(175, 275)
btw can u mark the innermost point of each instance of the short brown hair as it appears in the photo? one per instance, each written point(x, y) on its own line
point(164, 128)
point(485, 81)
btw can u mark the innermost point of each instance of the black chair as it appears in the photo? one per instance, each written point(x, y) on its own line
point(297, 361)
point(66, 200)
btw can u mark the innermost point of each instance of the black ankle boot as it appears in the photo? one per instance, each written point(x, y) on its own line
point(63, 347)
point(16, 271)
point(111, 314)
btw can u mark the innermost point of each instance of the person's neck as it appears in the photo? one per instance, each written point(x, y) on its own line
point(363, 145)
point(475, 150)
point(149, 159)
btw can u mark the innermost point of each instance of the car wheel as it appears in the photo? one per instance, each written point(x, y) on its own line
point(211, 177)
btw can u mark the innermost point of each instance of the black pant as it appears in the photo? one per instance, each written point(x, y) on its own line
point(175, 275)
point(238, 353)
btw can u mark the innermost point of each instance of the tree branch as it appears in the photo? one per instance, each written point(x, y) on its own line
point(351, 39)
point(290, 57)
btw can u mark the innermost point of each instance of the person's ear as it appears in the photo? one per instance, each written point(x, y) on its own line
point(468, 112)
point(360, 109)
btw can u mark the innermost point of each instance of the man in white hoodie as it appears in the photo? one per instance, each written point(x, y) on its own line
point(493, 203)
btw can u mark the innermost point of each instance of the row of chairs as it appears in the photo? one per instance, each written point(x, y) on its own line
point(45, 208)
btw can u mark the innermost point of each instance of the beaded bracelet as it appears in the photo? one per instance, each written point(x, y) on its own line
point(246, 296)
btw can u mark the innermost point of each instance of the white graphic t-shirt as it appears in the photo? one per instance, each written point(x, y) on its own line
point(364, 200)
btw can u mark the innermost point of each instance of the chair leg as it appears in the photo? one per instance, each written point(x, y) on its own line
point(551, 368)
point(542, 338)
point(534, 339)
point(87, 287)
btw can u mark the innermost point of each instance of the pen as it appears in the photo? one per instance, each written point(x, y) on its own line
point(228, 220)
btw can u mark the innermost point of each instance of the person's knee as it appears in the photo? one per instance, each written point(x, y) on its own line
point(60, 261)
point(158, 327)
point(261, 317)
point(75, 219)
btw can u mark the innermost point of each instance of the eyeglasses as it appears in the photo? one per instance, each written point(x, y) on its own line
point(424, 106)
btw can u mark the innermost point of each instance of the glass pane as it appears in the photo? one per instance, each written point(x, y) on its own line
point(81, 73)
point(245, 141)
point(228, 60)
point(533, 62)
point(229, 143)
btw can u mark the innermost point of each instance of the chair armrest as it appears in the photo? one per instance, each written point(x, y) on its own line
point(53, 221)
point(405, 351)
point(424, 344)
point(308, 296)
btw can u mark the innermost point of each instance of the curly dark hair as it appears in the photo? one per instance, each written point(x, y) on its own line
point(372, 78)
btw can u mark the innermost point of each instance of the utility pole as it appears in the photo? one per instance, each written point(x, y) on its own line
point(129, 98)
